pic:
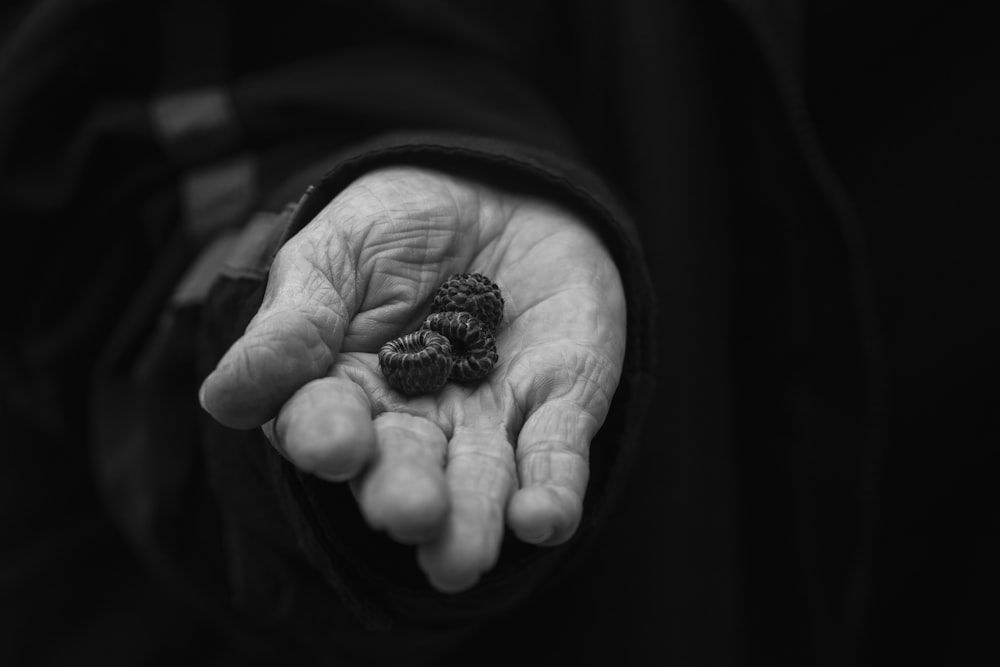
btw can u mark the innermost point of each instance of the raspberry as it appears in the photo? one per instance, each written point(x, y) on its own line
point(472, 345)
point(417, 363)
point(473, 293)
point(455, 342)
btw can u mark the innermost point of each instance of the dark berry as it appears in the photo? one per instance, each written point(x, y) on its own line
point(417, 363)
point(471, 293)
point(473, 347)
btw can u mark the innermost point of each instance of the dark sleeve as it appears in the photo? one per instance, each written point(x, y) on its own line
point(218, 511)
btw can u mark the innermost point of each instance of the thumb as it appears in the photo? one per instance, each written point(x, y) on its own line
point(292, 340)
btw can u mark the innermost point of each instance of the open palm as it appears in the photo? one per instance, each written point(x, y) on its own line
point(444, 471)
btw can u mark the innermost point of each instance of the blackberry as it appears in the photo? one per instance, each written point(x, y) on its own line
point(472, 293)
point(417, 363)
point(473, 347)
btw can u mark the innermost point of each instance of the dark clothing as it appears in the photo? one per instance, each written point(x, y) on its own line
point(801, 204)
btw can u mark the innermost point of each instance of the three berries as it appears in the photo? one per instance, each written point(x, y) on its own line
point(456, 341)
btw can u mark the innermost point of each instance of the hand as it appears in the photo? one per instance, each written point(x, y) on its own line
point(444, 471)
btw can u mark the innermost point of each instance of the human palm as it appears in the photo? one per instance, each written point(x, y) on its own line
point(447, 471)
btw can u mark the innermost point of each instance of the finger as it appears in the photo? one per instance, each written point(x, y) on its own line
point(480, 477)
point(326, 429)
point(404, 493)
point(291, 340)
point(553, 469)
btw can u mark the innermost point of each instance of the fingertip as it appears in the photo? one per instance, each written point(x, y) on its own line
point(450, 571)
point(544, 515)
point(342, 458)
point(451, 584)
point(334, 444)
point(219, 400)
point(410, 504)
point(466, 550)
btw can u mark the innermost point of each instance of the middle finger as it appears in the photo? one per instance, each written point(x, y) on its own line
point(404, 492)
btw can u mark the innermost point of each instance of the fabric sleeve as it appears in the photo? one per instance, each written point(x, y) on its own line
point(263, 549)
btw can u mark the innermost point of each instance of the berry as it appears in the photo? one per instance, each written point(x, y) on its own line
point(473, 347)
point(472, 293)
point(417, 363)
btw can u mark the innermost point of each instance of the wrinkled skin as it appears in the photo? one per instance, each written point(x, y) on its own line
point(442, 472)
